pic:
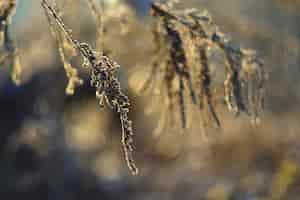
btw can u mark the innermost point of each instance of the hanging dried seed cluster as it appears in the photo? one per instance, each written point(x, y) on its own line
point(9, 53)
point(108, 89)
point(184, 41)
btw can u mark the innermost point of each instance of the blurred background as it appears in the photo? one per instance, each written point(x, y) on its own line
point(59, 147)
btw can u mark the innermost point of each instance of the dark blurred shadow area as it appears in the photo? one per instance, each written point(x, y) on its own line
point(59, 147)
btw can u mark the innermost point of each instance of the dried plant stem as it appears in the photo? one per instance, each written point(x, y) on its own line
point(98, 14)
point(205, 94)
point(108, 88)
point(71, 72)
point(11, 53)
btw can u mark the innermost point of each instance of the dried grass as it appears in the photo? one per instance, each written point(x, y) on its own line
point(185, 40)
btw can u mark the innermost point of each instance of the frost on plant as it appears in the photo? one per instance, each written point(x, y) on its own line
point(103, 78)
point(182, 65)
